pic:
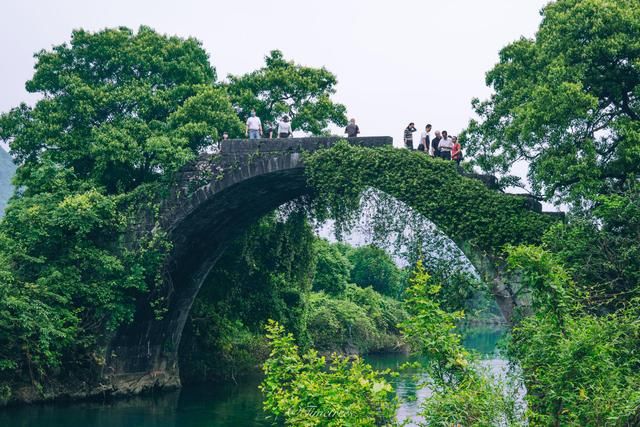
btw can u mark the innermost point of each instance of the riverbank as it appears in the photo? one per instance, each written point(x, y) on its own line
point(225, 404)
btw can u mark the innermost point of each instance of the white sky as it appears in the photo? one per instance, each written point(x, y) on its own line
point(396, 61)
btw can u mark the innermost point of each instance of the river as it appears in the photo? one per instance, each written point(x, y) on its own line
point(223, 405)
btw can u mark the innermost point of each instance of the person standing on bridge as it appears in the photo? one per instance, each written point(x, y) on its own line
point(456, 153)
point(424, 140)
point(445, 146)
point(284, 128)
point(254, 126)
point(352, 130)
point(268, 130)
point(408, 136)
point(434, 145)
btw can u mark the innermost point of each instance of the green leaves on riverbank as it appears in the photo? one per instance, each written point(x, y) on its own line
point(349, 392)
point(301, 392)
point(579, 368)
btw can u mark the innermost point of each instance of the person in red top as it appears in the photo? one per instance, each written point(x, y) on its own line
point(456, 152)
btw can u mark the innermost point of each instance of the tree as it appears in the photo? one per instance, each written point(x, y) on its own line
point(118, 109)
point(601, 249)
point(579, 369)
point(283, 87)
point(373, 267)
point(567, 101)
point(332, 268)
point(119, 113)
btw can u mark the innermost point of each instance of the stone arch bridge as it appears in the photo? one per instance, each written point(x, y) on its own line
point(215, 198)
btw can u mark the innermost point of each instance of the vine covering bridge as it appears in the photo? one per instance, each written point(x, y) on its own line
point(220, 194)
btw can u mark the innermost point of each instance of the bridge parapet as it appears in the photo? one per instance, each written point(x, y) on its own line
point(236, 160)
point(242, 151)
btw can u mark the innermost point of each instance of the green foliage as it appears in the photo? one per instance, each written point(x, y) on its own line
point(430, 331)
point(332, 268)
point(373, 267)
point(69, 280)
point(478, 400)
point(579, 368)
point(358, 321)
point(119, 113)
point(463, 208)
point(567, 101)
point(461, 290)
point(544, 277)
point(119, 109)
point(284, 88)
point(36, 326)
point(265, 273)
point(69, 249)
point(462, 393)
point(216, 346)
point(299, 390)
point(601, 249)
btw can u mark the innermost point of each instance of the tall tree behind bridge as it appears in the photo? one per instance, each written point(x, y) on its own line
point(283, 87)
point(567, 102)
point(118, 109)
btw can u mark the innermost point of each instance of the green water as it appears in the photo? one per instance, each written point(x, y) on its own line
point(213, 404)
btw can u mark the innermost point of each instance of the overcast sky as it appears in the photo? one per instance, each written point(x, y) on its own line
point(396, 61)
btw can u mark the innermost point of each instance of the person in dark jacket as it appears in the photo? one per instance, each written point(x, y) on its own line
point(352, 130)
point(434, 145)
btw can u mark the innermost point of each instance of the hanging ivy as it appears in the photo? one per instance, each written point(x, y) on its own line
point(463, 208)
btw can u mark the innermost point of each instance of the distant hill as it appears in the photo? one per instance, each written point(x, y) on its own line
point(7, 170)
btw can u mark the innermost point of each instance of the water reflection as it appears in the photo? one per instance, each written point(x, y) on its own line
point(223, 405)
point(483, 340)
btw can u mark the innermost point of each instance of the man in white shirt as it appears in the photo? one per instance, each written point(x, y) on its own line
point(425, 140)
point(254, 126)
point(445, 146)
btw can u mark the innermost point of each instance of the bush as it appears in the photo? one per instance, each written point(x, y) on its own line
point(301, 392)
point(359, 321)
point(579, 368)
point(373, 267)
point(332, 268)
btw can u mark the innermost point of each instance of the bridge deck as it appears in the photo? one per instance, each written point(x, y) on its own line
point(239, 148)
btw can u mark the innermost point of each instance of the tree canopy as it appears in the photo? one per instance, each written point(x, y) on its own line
point(332, 268)
point(373, 267)
point(120, 111)
point(118, 108)
point(281, 88)
point(567, 102)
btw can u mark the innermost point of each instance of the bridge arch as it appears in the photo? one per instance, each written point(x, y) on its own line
point(222, 193)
